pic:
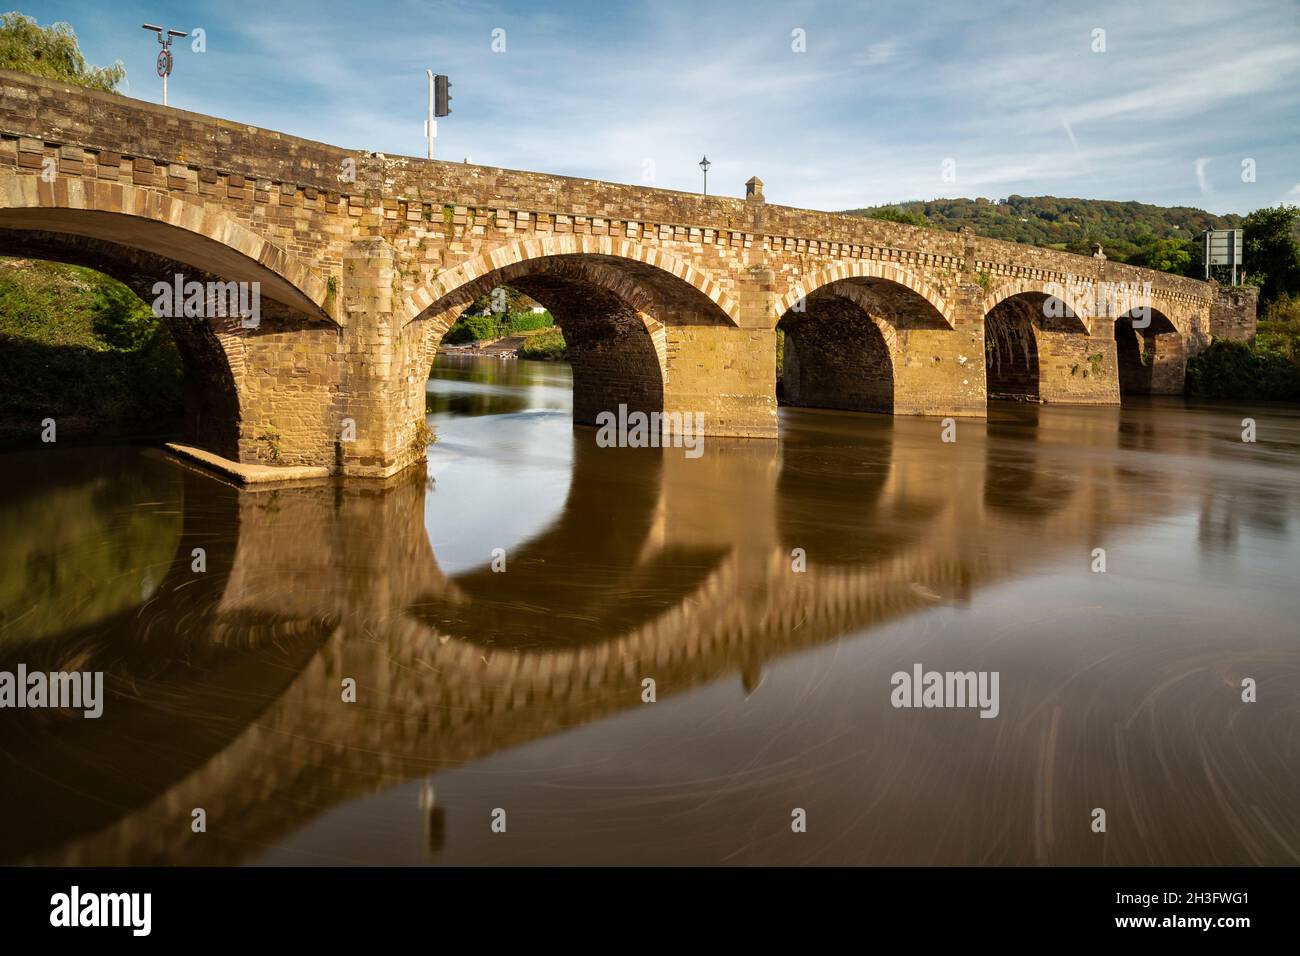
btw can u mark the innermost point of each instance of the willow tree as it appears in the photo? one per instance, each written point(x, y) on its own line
point(52, 52)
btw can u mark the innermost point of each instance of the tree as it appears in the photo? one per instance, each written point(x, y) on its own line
point(52, 52)
point(1271, 252)
point(904, 216)
point(1167, 255)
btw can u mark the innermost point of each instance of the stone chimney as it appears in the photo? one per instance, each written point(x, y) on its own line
point(754, 189)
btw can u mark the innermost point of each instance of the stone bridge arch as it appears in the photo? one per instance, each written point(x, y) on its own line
point(235, 376)
point(846, 331)
point(624, 308)
point(1150, 353)
point(868, 269)
point(1038, 290)
point(464, 282)
point(1039, 345)
point(165, 225)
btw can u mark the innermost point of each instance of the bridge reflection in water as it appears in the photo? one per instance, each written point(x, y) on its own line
point(523, 690)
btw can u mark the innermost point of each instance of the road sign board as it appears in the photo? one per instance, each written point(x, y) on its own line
point(1222, 247)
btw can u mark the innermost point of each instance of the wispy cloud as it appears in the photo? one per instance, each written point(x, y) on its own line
point(1201, 163)
point(877, 54)
point(1015, 94)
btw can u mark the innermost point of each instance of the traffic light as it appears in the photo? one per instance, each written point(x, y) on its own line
point(441, 95)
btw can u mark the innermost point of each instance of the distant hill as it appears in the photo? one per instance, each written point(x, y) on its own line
point(1127, 231)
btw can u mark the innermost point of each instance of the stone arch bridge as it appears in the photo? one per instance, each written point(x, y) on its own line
point(669, 301)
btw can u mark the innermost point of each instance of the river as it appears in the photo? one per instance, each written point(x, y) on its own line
point(561, 653)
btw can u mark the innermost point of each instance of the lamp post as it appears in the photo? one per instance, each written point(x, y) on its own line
point(704, 165)
point(165, 37)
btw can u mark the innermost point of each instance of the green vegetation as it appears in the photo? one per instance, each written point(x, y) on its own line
point(471, 328)
point(52, 52)
point(907, 217)
point(529, 322)
point(545, 345)
point(1157, 237)
point(1241, 370)
point(80, 348)
point(510, 313)
point(1268, 368)
point(1272, 252)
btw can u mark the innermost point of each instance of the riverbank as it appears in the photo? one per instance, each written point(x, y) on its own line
point(539, 344)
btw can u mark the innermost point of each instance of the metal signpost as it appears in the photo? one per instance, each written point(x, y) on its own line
point(165, 61)
point(1222, 247)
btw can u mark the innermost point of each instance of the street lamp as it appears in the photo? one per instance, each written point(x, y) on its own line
point(704, 165)
point(165, 54)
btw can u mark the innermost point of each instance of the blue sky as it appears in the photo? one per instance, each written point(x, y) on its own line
point(883, 94)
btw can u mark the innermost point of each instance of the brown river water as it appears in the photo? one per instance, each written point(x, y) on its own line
point(519, 696)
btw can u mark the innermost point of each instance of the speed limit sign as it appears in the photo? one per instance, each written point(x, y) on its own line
point(165, 63)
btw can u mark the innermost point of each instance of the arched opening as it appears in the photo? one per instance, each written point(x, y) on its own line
point(840, 343)
point(209, 396)
point(614, 349)
point(614, 314)
point(225, 360)
point(1014, 332)
point(1149, 352)
point(81, 349)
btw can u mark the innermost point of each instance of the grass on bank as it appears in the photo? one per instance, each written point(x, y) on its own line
point(542, 337)
point(549, 345)
point(81, 348)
